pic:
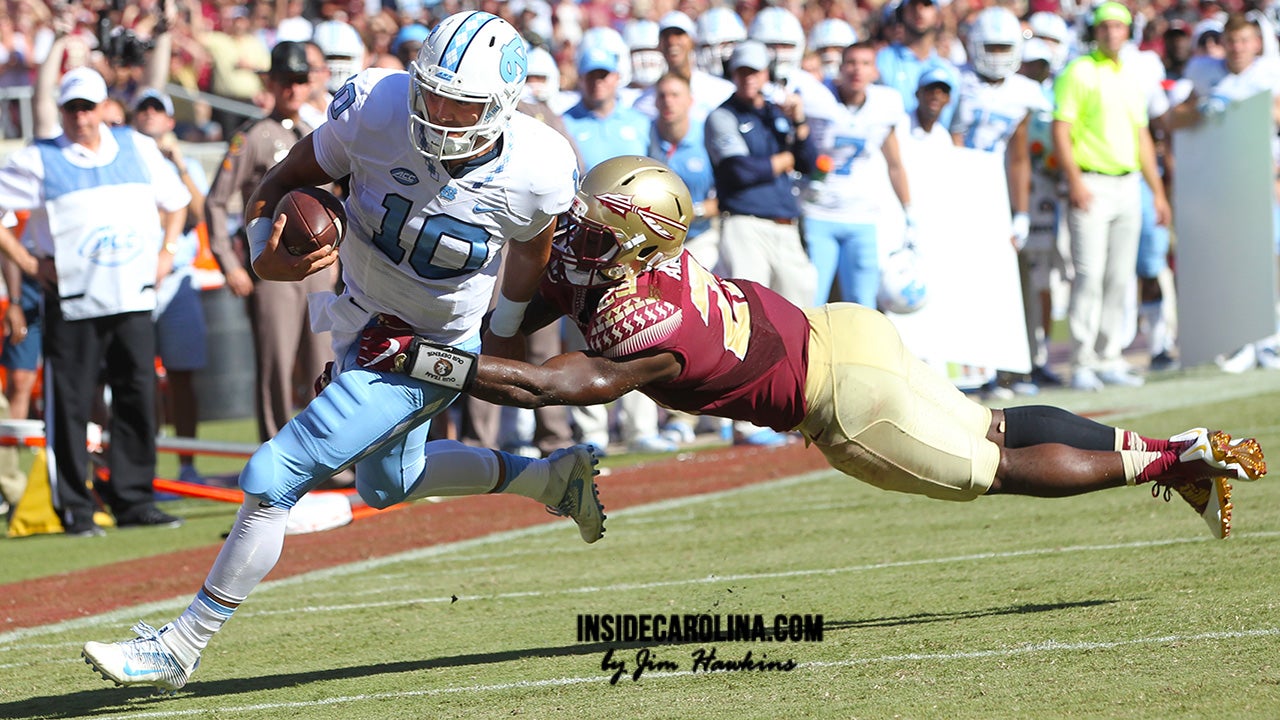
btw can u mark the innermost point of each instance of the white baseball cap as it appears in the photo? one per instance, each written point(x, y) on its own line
point(83, 83)
point(676, 20)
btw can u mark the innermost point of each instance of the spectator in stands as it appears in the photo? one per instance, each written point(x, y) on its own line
point(96, 312)
point(237, 56)
point(1101, 139)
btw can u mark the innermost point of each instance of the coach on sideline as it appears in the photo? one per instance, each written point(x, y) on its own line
point(1100, 134)
point(755, 146)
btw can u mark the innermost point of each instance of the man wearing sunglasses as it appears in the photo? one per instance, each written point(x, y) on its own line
point(107, 211)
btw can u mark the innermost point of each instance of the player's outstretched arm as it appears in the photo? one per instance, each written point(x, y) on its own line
point(526, 262)
point(273, 262)
point(574, 378)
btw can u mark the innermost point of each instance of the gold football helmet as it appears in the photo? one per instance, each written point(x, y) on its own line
point(630, 215)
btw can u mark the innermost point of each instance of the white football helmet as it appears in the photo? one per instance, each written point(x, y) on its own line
point(903, 288)
point(343, 51)
point(832, 32)
point(829, 38)
point(781, 32)
point(995, 43)
point(631, 214)
point(1052, 27)
point(470, 57)
point(647, 63)
point(719, 29)
point(542, 65)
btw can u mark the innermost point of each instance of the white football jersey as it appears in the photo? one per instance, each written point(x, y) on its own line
point(421, 245)
point(852, 137)
point(987, 114)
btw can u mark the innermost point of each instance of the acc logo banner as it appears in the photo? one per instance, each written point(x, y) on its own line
point(110, 247)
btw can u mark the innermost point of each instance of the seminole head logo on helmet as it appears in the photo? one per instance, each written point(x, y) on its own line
point(631, 214)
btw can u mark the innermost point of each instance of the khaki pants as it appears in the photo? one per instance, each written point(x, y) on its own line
point(1104, 253)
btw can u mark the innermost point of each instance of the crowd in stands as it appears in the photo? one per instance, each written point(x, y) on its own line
point(839, 87)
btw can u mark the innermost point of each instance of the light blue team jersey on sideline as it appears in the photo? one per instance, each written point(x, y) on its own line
point(690, 161)
point(622, 132)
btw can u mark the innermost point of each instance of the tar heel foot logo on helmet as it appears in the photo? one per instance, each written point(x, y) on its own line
point(903, 288)
point(471, 71)
point(630, 215)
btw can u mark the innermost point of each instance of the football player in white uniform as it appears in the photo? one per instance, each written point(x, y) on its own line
point(443, 173)
point(782, 34)
point(995, 105)
point(717, 30)
point(842, 208)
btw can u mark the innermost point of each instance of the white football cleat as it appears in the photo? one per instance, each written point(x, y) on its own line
point(574, 469)
point(145, 660)
point(1239, 459)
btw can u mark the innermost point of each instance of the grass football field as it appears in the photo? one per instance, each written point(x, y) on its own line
point(1111, 605)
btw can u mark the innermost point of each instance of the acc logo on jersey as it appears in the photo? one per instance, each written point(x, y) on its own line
point(404, 176)
point(110, 247)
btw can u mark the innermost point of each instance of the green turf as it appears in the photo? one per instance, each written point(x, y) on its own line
point(1113, 605)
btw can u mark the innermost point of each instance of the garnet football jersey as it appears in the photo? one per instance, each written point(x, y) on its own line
point(744, 348)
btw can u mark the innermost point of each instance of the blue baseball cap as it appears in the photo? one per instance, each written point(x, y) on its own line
point(597, 58)
point(414, 32)
point(936, 76)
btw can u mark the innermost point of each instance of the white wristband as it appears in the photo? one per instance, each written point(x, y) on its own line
point(507, 316)
point(259, 233)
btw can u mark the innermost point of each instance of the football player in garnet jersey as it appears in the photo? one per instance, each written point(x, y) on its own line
point(658, 322)
point(443, 173)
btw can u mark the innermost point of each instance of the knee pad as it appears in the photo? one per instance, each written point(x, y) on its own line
point(272, 481)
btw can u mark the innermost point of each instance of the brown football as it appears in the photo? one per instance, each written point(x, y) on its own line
point(315, 218)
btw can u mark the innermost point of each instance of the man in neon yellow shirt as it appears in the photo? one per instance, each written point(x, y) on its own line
point(1101, 137)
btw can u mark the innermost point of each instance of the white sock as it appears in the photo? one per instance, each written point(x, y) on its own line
point(250, 551)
